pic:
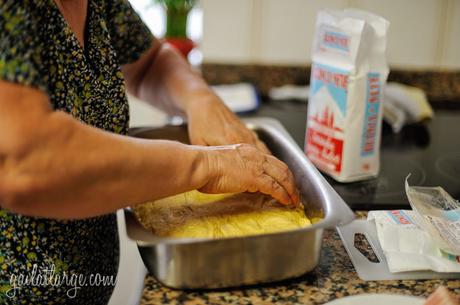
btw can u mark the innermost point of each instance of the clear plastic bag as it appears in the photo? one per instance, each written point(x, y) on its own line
point(438, 214)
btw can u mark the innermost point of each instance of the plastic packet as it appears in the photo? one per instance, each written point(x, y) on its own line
point(407, 247)
point(438, 214)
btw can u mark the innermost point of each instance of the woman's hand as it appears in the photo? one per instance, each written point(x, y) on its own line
point(163, 78)
point(212, 123)
point(244, 168)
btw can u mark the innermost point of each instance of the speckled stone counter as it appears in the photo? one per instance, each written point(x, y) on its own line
point(334, 277)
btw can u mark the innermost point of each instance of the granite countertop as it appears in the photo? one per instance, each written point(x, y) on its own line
point(333, 278)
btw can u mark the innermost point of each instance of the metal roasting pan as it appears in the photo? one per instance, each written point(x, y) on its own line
point(186, 263)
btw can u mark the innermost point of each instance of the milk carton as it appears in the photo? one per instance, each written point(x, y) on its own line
point(348, 73)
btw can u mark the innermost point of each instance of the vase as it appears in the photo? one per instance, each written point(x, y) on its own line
point(176, 29)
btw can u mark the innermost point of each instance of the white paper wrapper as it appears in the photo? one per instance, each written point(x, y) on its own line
point(407, 247)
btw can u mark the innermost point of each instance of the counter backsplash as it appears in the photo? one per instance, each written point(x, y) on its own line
point(441, 87)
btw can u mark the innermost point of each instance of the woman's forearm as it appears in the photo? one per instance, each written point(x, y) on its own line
point(164, 78)
point(71, 170)
point(51, 165)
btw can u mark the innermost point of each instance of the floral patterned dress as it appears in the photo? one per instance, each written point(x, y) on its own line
point(43, 260)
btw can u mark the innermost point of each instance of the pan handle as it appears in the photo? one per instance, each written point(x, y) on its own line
point(340, 213)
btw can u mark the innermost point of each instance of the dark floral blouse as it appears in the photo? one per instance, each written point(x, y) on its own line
point(43, 260)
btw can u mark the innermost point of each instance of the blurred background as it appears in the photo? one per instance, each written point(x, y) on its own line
point(424, 34)
point(267, 43)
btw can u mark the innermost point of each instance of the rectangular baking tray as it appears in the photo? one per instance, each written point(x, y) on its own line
point(205, 263)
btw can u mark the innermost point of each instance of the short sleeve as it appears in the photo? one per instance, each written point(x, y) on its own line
point(20, 46)
point(129, 35)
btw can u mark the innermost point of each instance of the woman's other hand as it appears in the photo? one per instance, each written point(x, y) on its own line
point(163, 78)
point(244, 168)
point(212, 123)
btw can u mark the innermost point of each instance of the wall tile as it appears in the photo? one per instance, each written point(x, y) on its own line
point(451, 55)
point(227, 30)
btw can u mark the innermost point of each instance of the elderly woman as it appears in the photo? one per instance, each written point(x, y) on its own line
point(65, 162)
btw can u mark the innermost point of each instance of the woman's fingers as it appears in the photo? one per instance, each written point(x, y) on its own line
point(243, 167)
point(267, 165)
point(268, 185)
point(283, 176)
